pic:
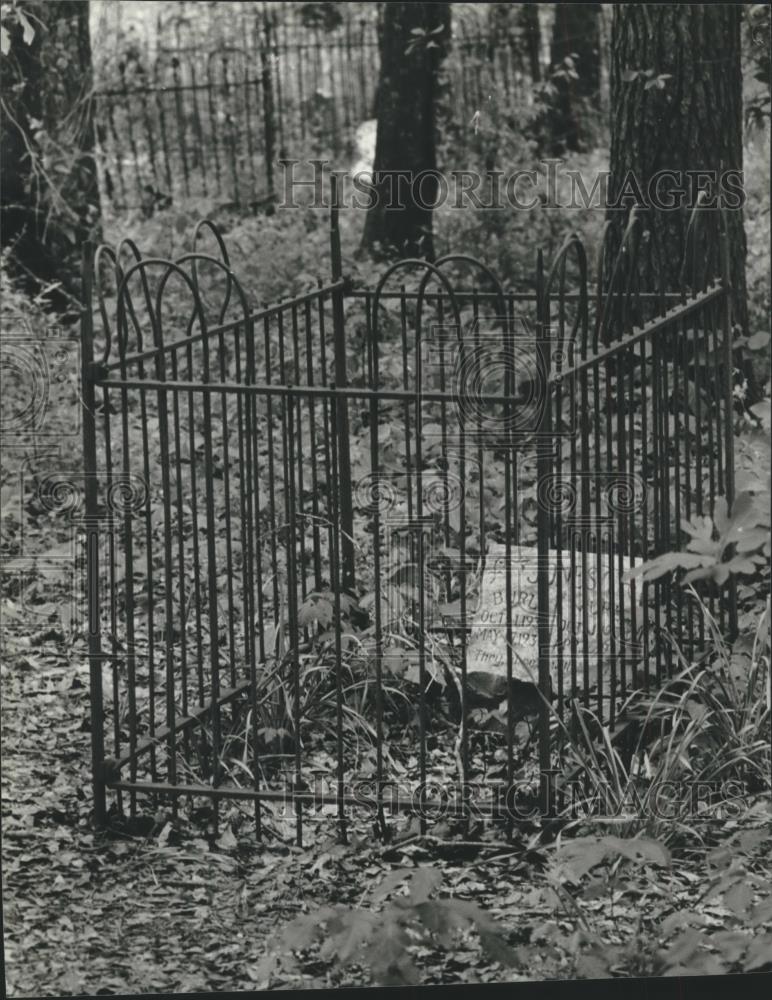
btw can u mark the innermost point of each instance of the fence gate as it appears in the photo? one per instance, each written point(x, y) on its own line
point(371, 548)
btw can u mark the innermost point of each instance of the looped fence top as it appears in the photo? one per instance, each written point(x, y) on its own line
point(431, 271)
point(557, 284)
point(133, 291)
point(144, 301)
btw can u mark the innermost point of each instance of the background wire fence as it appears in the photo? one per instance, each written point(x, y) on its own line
point(189, 120)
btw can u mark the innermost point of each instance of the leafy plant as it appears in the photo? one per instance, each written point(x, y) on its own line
point(727, 543)
point(381, 940)
point(753, 451)
point(733, 541)
point(708, 726)
point(686, 942)
point(13, 13)
point(582, 871)
point(742, 944)
point(757, 108)
point(424, 38)
point(651, 79)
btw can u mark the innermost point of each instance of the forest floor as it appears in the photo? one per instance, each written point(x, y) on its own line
point(167, 910)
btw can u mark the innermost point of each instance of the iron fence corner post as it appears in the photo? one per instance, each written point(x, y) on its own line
point(92, 541)
point(543, 465)
point(343, 485)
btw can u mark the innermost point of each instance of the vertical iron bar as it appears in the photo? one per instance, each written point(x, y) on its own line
point(113, 594)
point(269, 128)
point(181, 131)
point(713, 383)
point(556, 474)
point(609, 370)
point(117, 158)
point(128, 547)
point(313, 449)
point(203, 144)
point(150, 133)
point(344, 485)
point(656, 433)
point(419, 539)
point(194, 519)
point(463, 583)
point(510, 515)
point(226, 471)
point(271, 465)
point(92, 543)
point(372, 323)
point(292, 582)
point(211, 88)
point(335, 582)
point(250, 146)
point(163, 431)
point(648, 495)
point(687, 501)
point(300, 458)
point(211, 565)
point(149, 572)
point(543, 528)
point(246, 427)
point(130, 133)
point(726, 282)
point(666, 400)
point(159, 95)
point(183, 640)
point(406, 386)
point(231, 130)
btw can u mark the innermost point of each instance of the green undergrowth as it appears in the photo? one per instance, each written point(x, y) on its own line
point(604, 885)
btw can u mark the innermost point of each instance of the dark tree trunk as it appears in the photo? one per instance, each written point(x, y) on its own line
point(413, 42)
point(688, 120)
point(529, 23)
point(21, 87)
point(50, 198)
point(575, 66)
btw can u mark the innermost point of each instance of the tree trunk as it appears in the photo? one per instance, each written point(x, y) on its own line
point(529, 22)
point(72, 103)
point(21, 87)
point(413, 40)
point(50, 202)
point(575, 69)
point(676, 104)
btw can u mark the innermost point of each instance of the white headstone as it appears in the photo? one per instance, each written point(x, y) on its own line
point(487, 644)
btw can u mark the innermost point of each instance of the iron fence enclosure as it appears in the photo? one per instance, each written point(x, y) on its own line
point(293, 512)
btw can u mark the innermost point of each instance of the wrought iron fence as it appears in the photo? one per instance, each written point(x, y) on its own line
point(298, 515)
point(212, 122)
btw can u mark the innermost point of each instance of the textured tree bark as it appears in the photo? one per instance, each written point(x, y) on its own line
point(692, 122)
point(50, 199)
point(529, 22)
point(20, 89)
point(575, 35)
point(413, 42)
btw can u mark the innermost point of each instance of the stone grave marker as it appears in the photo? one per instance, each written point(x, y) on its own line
point(487, 643)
